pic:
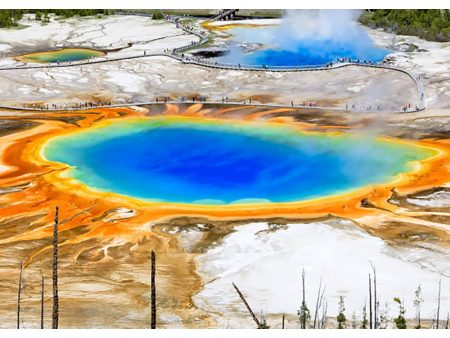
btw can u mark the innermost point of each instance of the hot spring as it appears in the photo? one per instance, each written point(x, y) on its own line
point(61, 55)
point(186, 160)
point(303, 38)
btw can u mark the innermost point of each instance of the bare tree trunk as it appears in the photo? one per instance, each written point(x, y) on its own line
point(438, 305)
point(55, 312)
point(303, 319)
point(19, 294)
point(418, 315)
point(375, 299)
point(282, 322)
point(323, 321)
point(258, 324)
point(42, 303)
point(316, 310)
point(153, 291)
point(370, 303)
point(321, 300)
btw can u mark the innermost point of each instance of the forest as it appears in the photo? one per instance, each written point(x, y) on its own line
point(10, 17)
point(428, 24)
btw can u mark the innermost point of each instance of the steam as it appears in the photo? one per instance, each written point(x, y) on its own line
point(316, 25)
point(306, 37)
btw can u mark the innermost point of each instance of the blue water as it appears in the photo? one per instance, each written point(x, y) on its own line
point(214, 163)
point(285, 51)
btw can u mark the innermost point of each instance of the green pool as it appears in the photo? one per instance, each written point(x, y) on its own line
point(61, 55)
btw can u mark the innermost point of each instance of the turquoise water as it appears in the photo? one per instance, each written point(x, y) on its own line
point(179, 160)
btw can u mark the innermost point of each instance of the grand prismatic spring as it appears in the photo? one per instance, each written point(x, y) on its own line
point(190, 161)
point(230, 174)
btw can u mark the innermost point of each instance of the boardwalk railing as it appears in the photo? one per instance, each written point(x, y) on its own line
point(292, 105)
point(225, 13)
point(67, 107)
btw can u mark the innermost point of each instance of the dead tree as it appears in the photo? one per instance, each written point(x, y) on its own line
point(375, 299)
point(55, 312)
point(370, 303)
point(319, 301)
point(153, 290)
point(318, 304)
point(19, 294)
point(42, 302)
point(323, 320)
point(438, 305)
point(282, 321)
point(258, 324)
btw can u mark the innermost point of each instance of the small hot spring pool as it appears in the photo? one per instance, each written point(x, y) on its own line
point(216, 162)
point(61, 55)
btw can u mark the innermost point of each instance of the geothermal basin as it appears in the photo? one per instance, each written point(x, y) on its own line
point(185, 160)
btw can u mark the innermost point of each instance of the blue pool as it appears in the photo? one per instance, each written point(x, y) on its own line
point(306, 51)
point(210, 162)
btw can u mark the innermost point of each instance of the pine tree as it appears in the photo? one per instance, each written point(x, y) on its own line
point(354, 321)
point(418, 299)
point(384, 320)
point(364, 318)
point(303, 313)
point(341, 319)
point(263, 322)
point(400, 321)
